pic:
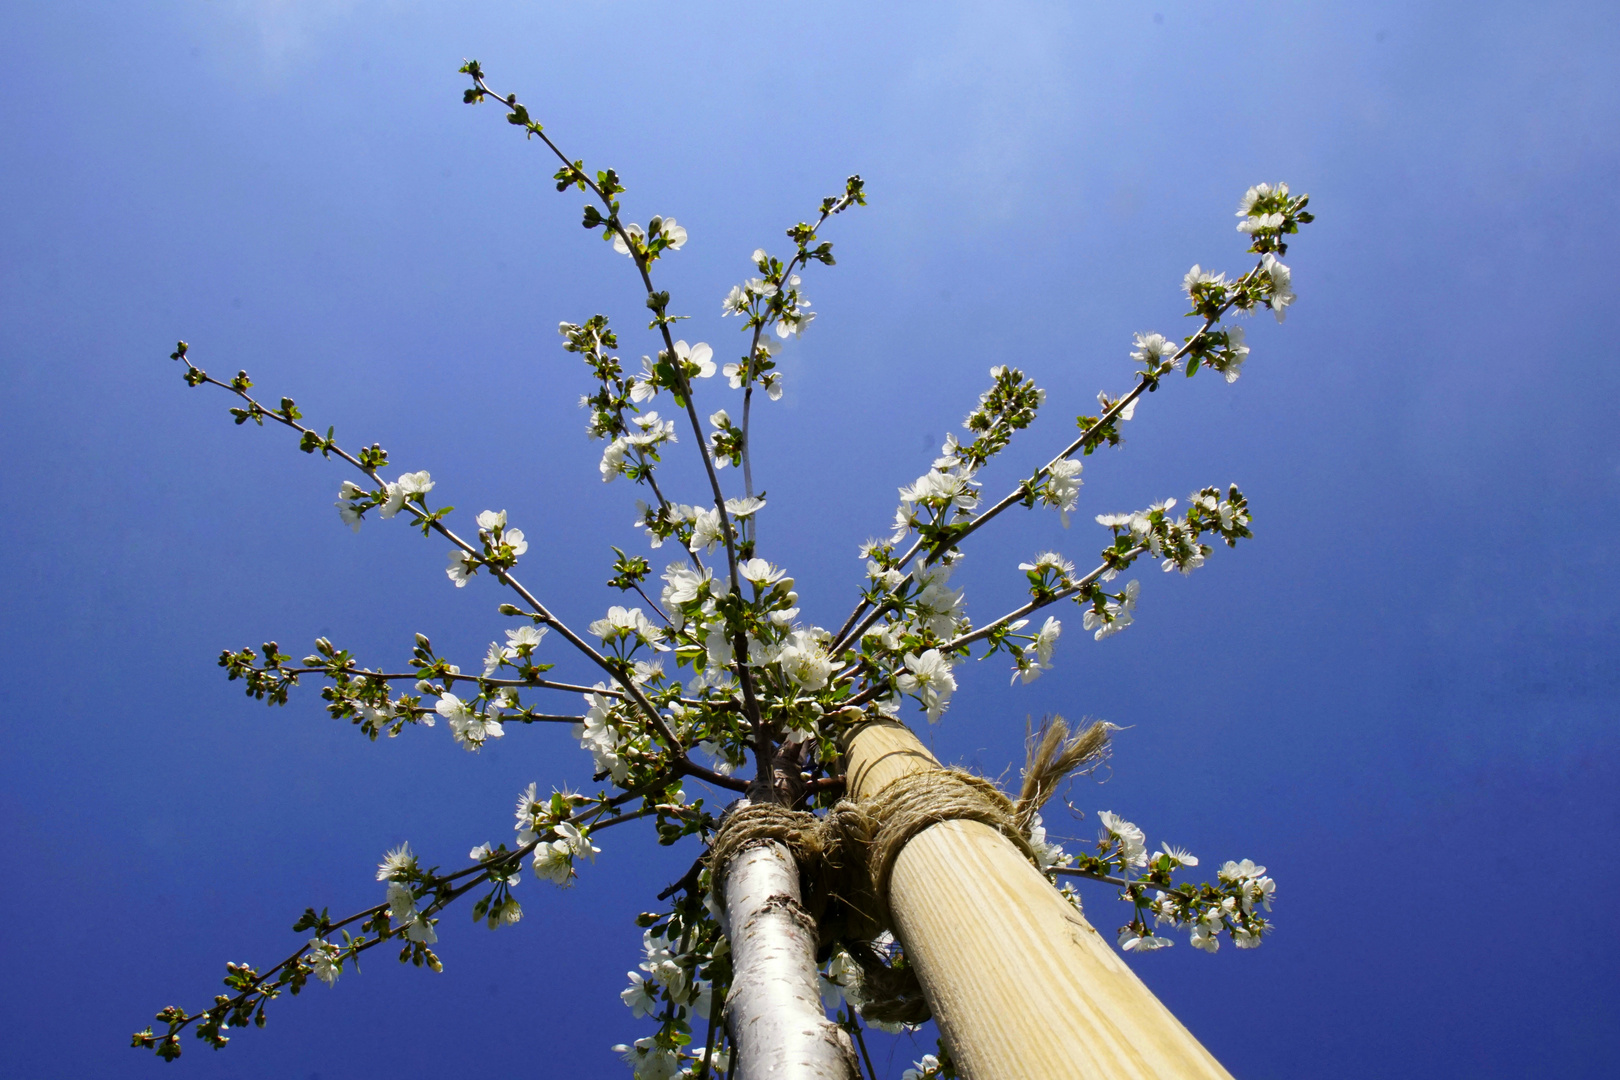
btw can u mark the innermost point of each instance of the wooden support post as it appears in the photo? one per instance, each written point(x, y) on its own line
point(1020, 984)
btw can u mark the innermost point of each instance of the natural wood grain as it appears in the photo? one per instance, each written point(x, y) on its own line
point(1021, 985)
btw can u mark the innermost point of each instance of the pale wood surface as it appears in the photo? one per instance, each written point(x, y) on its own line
point(778, 1027)
point(1021, 985)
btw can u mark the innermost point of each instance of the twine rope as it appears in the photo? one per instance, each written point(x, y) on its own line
point(846, 857)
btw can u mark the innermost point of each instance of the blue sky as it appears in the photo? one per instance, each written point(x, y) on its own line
point(1399, 696)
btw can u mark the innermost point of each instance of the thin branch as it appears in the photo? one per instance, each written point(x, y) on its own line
point(441, 900)
point(799, 259)
point(1067, 872)
point(1035, 605)
point(854, 1025)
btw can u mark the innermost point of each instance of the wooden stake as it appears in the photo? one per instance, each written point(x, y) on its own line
point(1020, 984)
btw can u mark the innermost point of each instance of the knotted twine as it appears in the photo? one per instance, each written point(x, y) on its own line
point(846, 857)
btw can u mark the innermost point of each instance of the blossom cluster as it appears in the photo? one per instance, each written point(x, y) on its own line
point(680, 982)
point(1231, 906)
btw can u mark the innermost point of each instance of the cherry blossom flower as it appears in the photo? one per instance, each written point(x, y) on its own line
point(674, 235)
point(637, 234)
point(1179, 855)
point(1132, 844)
point(699, 355)
point(1282, 288)
point(1046, 640)
point(553, 862)
point(639, 996)
point(1199, 276)
point(705, 531)
point(1152, 350)
point(1063, 487)
point(804, 660)
point(399, 862)
point(462, 566)
point(928, 676)
point(323, 958)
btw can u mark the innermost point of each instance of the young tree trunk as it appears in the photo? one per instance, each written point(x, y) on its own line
point(1020, 984)
point(774, 1013)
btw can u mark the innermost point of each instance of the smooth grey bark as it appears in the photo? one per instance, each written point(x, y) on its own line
point(778, 1027)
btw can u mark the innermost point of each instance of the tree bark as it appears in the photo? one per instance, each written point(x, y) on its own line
point(774, 1013)
point(1020, 984)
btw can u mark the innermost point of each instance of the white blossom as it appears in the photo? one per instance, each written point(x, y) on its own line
point(1107, 403)
point(804, 660)
point(1048, 853)
point(759, 572)
point(1258, 890)
point(1046, 640)
point(1179, 855)
point(597, 735)
point(1250, 197)
point(639, 996)
point(928, 676)
point(1282, 288)
point(1132, 844)
point(636, 232)
point(683, 583)
point(1131, 941)
point(1199, 276)
point(925, 1069)
point(469, 727)
point(705, 531)
point(397, 863)
point(938, 607)
point(612, 463)
point(577, 842)
point(347, 510)
point(528, 805)
point(1231, 363)
point(409, 484)
point(742, 508)
point(721, 1065)
point(1063, 486)
point(674, 235)
point(939, 489)
point(553, 862)
point(525, 635)
point(1152, 350)
point(323, 958)
point(1240, 871)
point(700, 354)
point(622, 622)
point(649, 1060)
point(841, 979)
point(1261, 223)
point(402, 910)
point(462, 565)
point(1049, 560)
point(494, 658)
